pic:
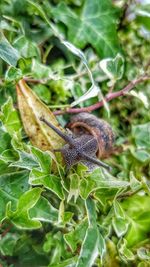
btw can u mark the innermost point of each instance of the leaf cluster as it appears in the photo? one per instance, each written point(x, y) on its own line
point(65, 49)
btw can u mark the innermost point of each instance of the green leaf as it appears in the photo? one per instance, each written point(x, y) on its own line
point(26, 161)
point(44, 211)
point(39, 163)
point(141, 135)
point(49, 181)
point(7, 244)
point(75, 237)
point(125, 253)
point(43, 92)
point(113, 68)
point(120, 226)
point(93, 243)
point(91, 26)
point(21, 217)
point(97, 180)
point(141, 155)
point(10, 117)
point(120, 223)
point(143, 254)
point(42, 175)
point(81, 218)
point(142, 13)
point(9, 155)
point(12, 185)
point(27, 48)
point(138, 210)
point(118, 210)
point(43, 159)
point(67, 263)
point(57, 246)
point(142, 97)
point(106, 195)
point(86, 187)
point(13, 74)
point(91, 212)
point(74, 187)
point(40, 71)
point(134, 183)
point(9, 54)
point(5, 140)
point(89, 249)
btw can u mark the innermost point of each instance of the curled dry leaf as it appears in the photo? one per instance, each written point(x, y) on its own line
point(31, 109)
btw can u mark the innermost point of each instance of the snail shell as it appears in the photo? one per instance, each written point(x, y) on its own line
point(85, 123)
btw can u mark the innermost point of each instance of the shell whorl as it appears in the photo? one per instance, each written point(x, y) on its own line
point(100, 129)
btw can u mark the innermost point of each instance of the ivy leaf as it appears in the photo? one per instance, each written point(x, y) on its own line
point(140, 154)
point(13, 74)
point(43, 158)
point(40, 71)
point(142, 97)
point(89, 249)
point(7, 52)
point(141, 135)
point(20, 217)
point(26, 161)
point(143, 254)
point(137, 209)
point(43, 92)
point(7, 244)
point(5, 140)
point(49, 181)
point(12, 185)
point(67, 263)
point(142, 13)
point(120, 223)
point(113, 68)
point(96, 25)
point(106, 195)
point(93, 243)
point(134, 183)
point(10, 117)
point(44, 211)
point(9, 155)
point(74, 187)
point(42, 174)
point(76, 236)
point(97, 180)
point(27, 48)
point(118, 210)
point(125, 253)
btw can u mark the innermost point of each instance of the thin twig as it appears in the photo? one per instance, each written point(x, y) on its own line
point(7, 230)
point(108, 97)
point(31, 80)
point(129, 193)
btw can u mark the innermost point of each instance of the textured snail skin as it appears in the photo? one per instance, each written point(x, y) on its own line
point(91, 138)
point(85, 123)
point(83, 144)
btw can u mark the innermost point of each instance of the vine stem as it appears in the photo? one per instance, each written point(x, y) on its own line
point(107, 98)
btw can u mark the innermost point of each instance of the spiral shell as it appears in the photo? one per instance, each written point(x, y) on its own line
point(85, 123)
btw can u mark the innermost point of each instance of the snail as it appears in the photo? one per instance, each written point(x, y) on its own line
point(91, 138)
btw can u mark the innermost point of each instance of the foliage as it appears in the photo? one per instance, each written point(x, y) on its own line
point(82, 219)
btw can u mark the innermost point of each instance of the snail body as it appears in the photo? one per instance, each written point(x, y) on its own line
point(83, 123)
point(91, 138)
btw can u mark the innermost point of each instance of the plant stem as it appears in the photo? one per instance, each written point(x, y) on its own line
point(108, 98)
point(129, 193)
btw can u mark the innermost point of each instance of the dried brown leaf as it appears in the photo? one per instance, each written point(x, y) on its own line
point(31, 109)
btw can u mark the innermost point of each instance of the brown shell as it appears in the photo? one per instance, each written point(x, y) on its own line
point(88, 123)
